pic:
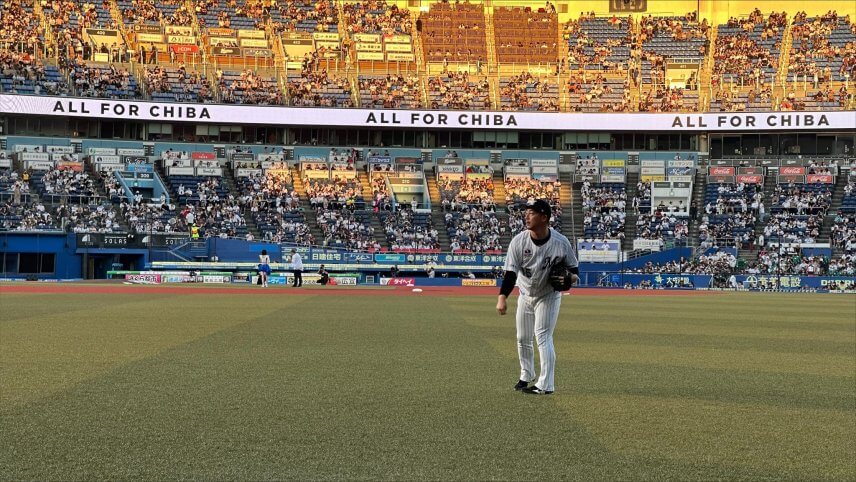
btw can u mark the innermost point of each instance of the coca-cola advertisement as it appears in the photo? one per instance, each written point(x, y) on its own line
point(721, 171)
point(819, 178)
point(792, 171)
point(750, 178)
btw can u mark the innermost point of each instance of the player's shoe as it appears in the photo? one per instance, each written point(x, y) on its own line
point(521, 385)
point(534, 390)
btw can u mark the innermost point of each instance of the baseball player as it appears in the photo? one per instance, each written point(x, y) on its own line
point(542, 263)
point(297, 266)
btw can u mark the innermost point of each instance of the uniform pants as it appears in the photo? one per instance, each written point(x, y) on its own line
point(298, 278)
point(536, 320)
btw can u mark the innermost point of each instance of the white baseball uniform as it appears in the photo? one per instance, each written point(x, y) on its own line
point(538, 304)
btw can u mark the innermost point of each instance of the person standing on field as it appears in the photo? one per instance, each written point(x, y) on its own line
point(541, 263)
point(297, 266)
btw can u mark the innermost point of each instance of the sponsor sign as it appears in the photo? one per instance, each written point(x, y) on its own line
point(750, 170)
point(390, 258)
point(144, 278)
point(225, 51)
point(209, 171)
point(652, 170)
point(5, 162)
point(478, 282)
point(243, 157)
point(254, 42)
point(650, 244)
point(682, 179)
point(28, 148)
point(398, 281)
point(681, 163)
point(244, 172)
point(131, 152)
point(203, 155)
point(101, 151)
point(223, 42)
point(70, 166)
point(364, 47)
point(396, 47)
point(397, 39)
point(251, 33)
point(652, 177)
point(791, 171)
point(216, 278)
point(34, 156)
point(179, 30)
point(257, 52)
point(326, 36)
point(180, 171)
point(221, 32)
point(181, 39)
point(750, 179)
point(819, 178)
point(150, 37)
point(311, 116)
point(544, 163)
point(147, 28)
point(39, 165)
point(720, 171)
point(366, 37)
point(342, 280)
point(678, 171)
point(612, 163)
point(395, 57)
point(184, 49)
point(606, 251)
point(652, 163)
point(450, 169)
point(517, 170)
point(59, 149)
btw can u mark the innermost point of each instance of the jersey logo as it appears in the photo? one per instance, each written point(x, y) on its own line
point(527, 254)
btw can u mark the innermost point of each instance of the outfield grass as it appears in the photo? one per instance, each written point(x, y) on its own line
point(173, 386)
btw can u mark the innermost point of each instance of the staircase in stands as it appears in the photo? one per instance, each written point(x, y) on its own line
point(232, 185)
point(566, 201)
point(311, 217)
point(368, 195)
point(834, 209)
point(438, 220)
point(631, 215)
point(698, 198)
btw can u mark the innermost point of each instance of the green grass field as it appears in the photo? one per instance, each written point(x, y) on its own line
point(169, 386)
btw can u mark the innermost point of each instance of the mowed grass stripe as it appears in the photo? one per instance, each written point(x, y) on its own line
point(48, 352)
point(800, 444)
point(412, 388)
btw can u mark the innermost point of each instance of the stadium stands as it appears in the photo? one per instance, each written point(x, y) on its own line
point(168, 84)
point(528, 92)
point(526, 36)
point(454, 33)
point(409, 231)
point(390, 92)
point(109, 82)
point(596, 43)
point(319, 89)
point(377, 17)
point(604, 209)
point(26, 217)
point(458, 90)
point(730, 214)
point(248, 87)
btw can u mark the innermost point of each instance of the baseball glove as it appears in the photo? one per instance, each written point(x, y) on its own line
point(561, 277)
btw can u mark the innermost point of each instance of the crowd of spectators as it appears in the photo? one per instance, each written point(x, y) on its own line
point(347, 228)
point(662, 225)
point(598, 42)
point(474, 229)
point(248, 87)
point(390, 92)
point(88, 218)
point(802, 199)
point(823, 48)
point(380, 194)
point(520, 191)
point(716, 262)
point(456, 195)
point(20, 29)
point(304, 15)
point(102, 82)
point(528, 92)
point(151, 218)
point(26, 217)
point(318, 88)
point(788, 228)
point(600, 94)
point(335, 194)
point(22, 69)
point(667, 99)
point(376, 16)
point(184, 86)
point(604, 209)
point(404, 233)
point(69, 182)
point(457, 90)
point(746, 50)
point(788, 261)
point(843, 232)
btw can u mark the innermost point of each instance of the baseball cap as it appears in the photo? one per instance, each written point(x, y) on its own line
point(540, 206)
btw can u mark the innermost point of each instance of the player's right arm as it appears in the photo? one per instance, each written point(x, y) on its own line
point(509, 279)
